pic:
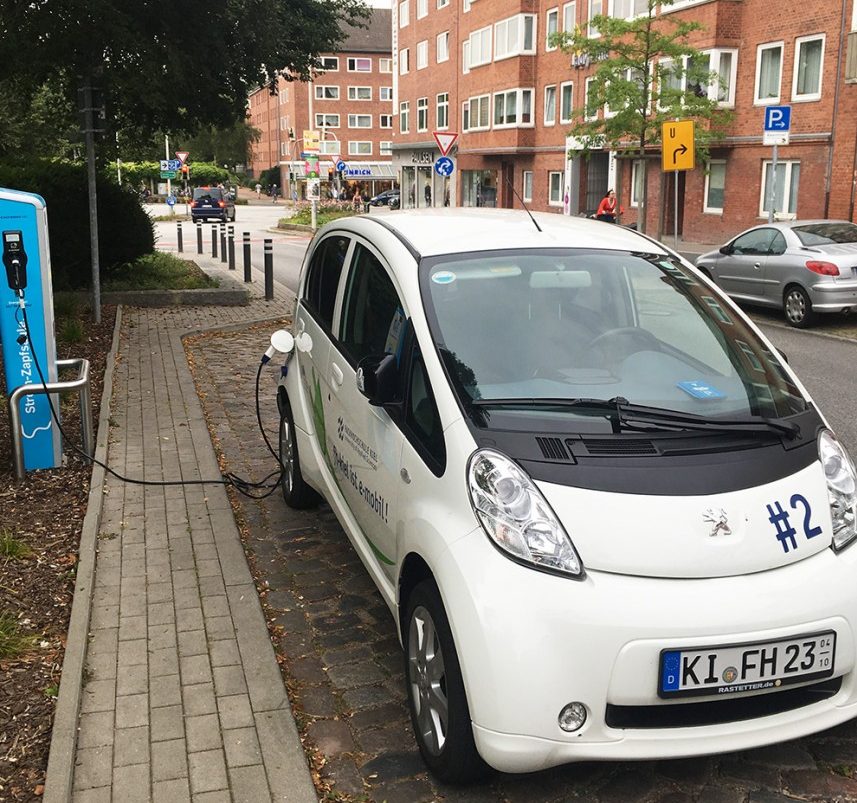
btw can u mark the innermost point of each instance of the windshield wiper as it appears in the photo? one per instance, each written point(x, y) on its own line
point(626, 414)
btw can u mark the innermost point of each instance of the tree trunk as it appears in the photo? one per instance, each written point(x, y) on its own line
point(644, 196)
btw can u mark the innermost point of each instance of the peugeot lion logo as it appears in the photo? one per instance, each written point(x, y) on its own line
point(717, 520)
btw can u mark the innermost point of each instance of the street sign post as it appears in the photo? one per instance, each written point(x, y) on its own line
point(444, 166)
point(677, 153)
point(182, 156)
point(168, 173)
point(311, 139)
point(778, 123)
point(445, 140)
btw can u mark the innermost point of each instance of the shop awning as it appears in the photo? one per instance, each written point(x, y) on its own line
point(354, 170)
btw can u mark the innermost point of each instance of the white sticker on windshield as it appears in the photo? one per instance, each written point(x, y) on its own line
point(443, 277)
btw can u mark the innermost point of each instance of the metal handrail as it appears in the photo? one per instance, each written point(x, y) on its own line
point(81, 384)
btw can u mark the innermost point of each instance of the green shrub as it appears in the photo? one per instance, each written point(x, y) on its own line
point(125, 230)
point(159, 271)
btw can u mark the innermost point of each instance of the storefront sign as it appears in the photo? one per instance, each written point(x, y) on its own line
point(422, 158)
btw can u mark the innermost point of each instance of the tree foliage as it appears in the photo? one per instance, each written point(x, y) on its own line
point(230, 146)
point(645, 73)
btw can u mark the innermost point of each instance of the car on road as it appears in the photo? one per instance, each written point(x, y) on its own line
point(607, 517)
point(384, 198)
point(804, 267)
point(212, 202)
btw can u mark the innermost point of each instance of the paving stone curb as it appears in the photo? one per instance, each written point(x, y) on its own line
point(60, 772)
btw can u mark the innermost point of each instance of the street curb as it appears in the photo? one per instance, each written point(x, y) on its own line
point(60, 772)
point(787, 328)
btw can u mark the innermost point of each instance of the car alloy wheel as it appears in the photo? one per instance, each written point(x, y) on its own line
point(296, 492)
point(427, 679)
point(798, 308)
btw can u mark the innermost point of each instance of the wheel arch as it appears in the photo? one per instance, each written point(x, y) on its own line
point(414, 570)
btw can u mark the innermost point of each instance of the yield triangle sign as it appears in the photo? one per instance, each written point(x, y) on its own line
point(445, 140)
point(182, 156)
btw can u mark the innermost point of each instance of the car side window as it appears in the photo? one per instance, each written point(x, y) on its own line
point(755, 243)
point(373, 315)
point(778, 246)
point(323, 278)
point(422, 419)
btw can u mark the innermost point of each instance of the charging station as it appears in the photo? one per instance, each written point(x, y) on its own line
point(27, 281)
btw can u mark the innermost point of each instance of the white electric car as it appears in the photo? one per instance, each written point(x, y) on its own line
point(607, 517)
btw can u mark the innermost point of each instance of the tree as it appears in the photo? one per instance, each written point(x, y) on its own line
point(231, 145)
point(645, 74)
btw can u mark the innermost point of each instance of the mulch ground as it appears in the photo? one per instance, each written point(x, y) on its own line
point(45, 512)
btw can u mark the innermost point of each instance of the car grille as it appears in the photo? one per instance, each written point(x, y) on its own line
point(687, 715)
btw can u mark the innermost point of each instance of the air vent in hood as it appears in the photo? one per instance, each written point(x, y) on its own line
point(553, 449)
point(605, 447)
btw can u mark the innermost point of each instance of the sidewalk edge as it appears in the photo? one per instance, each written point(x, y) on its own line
point(60, 771)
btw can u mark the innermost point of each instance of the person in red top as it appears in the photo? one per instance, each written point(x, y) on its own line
point(607, 208)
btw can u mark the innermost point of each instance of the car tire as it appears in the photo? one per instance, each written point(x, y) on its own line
point(433, 678)
point(296, 493)
point(798, 308)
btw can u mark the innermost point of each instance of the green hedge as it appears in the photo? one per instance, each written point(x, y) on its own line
point(201, 173)
point(125, 230)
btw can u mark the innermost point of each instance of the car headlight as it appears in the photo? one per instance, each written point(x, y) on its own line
point(516, 516)
point(841, 488)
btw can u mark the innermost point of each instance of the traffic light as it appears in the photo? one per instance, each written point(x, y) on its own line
point(185, 170)
point(330, 174)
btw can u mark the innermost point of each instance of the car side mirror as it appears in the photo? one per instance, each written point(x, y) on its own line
point(378, 379)
point(726, 249)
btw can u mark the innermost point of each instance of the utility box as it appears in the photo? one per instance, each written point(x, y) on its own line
point(26, 281)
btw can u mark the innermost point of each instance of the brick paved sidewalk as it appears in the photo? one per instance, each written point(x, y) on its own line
point(182, 698)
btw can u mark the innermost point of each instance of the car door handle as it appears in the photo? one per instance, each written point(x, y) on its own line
point(757, 265)
point(336, 375)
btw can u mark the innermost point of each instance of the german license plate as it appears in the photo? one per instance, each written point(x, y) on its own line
point(736, 668)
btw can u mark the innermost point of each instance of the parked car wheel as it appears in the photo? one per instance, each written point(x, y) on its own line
point(296, 492)
point(436, 696)
point(798, 308)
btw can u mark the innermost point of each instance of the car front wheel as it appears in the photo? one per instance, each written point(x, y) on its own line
point(436, 696)
point(798, 308)
point(296, 492)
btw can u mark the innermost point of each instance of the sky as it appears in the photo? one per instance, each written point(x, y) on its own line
point(378, 3)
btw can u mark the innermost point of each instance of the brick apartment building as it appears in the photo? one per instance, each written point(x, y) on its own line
point(485, 69)
point(349, 103)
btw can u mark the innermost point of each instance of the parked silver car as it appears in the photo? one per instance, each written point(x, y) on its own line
point(803, 266)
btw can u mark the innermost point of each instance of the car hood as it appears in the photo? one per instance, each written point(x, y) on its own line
point(708, 257)
point(763, 527)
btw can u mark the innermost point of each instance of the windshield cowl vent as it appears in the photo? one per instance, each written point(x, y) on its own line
point(553, 449)
point(604, 447)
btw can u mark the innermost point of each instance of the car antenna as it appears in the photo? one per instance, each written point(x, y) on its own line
point(512, 187)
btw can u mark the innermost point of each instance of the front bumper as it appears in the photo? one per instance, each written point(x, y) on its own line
point(833, 296)
point(530, 643)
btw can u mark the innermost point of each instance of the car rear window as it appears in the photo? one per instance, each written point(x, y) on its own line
point(826, 233)
point(215, 193)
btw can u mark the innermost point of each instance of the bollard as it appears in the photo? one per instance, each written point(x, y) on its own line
point(246, 238)
point(214, 240)
point(223, 242)
point(179, 236)
point(269, 270)
point(231, 239)
point(198, 236)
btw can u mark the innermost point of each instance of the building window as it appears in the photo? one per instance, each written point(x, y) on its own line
point(385, 65)
point(595, 8)
point(785, 189)
point(465, 57)
point(629, 9)
point(528, 185)
point(555, 189)
point(385, 93)
point(769, 66)
point(588, 114)
point(385, 121)
point(550, 105)
point(720, 89)
point(326, 92)
point(552, 26)
point(513, 107)
point(360, 121)
point(480, 47)
point(569, 16)
point(360, 93)
point(329, 63)
point(329, 147)
point(422, 114)
point(404, 61)
point(566, 104)
point(715, 183)
point(327, 121)
point(404, 13)
point(359, 148)
point(514, 36)
point(422, 8)
point(477, 113)
point(442, 3)
point(809, 57)
point(360, 65)
point(636, 182)
point(443, 110)
point(422, 54)
point(404, 117)
point(725, 64)
point(385, 148)
point(283, 95)
point(465, 116)
point(442, 48)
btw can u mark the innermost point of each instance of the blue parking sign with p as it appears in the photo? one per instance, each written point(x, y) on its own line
point(778, 118)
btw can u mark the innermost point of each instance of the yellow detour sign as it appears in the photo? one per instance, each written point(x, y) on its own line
point(678, 152)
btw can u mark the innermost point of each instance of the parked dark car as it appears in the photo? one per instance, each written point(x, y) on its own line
point(212, 202)
point(384, 198)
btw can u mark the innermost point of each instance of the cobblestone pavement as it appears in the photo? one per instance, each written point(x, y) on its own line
point(338, 649)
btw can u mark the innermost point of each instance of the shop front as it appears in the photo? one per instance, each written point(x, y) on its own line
point(421, 186)
point(369, 178)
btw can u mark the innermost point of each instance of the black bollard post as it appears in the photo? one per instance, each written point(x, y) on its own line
point(231, 239)
point(269, 270)
point(223, 242)
point(179, 236)
point(198, 236)
point(214, 241)
point(246, 238)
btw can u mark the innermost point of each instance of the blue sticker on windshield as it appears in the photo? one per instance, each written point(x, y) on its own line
point(443, 277)
point(700, 390)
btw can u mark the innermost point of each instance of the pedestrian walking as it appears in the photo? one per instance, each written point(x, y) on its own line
point(258, 190)
point(275, 191)
point(357, 200)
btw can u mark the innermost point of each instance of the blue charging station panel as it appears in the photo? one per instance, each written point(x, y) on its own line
point(26, 213)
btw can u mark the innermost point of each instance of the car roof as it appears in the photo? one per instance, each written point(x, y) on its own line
point(432, 232)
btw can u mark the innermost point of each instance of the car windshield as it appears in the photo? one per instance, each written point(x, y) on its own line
point(214, 193)
point(826, 233)
point(571, 324)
